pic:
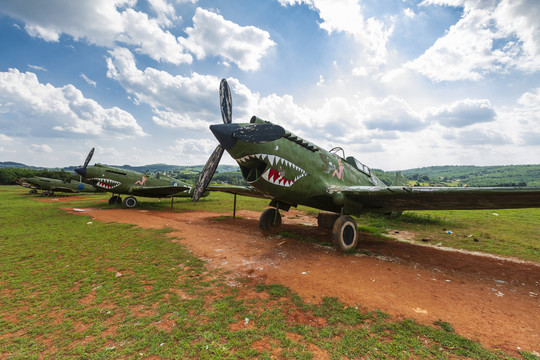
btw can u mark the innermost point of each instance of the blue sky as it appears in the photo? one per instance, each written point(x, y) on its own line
point(398, 84)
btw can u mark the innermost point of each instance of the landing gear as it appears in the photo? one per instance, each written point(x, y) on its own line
point(327, 220)
point(115, 200)
point(269, 221)
point(33, 191)
point(130, 202)
point(345, 234)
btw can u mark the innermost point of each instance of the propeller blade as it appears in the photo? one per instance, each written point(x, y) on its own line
point(225, 101)
point(206, 174)
point(88, 158)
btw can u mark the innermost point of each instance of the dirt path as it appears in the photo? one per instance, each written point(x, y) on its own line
point(487, 299)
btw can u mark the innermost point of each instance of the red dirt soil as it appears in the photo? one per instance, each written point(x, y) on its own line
point(492, 300)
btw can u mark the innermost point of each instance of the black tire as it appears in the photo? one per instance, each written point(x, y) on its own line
point(130, 202)
point(345, 234)
point(266, 221)
point(115, 200)
point(33, 191)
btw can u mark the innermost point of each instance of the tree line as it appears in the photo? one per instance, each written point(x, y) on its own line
point(9, 175)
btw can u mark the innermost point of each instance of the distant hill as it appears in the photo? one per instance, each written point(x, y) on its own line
point(16, 165)
point(503, 175)
point(451, 175)
point(162, 168)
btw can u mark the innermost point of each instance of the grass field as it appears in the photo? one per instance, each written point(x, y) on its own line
point(74, 288)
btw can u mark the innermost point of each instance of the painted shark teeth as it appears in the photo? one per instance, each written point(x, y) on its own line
point(106, 183)
point(272, 175)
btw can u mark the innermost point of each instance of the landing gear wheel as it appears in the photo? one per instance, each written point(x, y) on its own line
point(266, 222)
point(130, 202)
point(115, 200)
point(33, 191)
point(345, 234)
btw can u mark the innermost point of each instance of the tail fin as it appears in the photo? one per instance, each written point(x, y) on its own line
point(400, 180)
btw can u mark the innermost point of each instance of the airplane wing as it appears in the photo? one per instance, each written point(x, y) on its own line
point(158, 191)
point(400, 198)
point(26, 184)
point(65, 189)
point(239, 190)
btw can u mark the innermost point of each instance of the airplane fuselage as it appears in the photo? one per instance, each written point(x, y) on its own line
point(121, 181)
point(294, 171)
point(48, 184)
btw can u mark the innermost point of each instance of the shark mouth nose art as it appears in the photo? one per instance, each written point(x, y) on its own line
point(106, 183)
point(271, 168)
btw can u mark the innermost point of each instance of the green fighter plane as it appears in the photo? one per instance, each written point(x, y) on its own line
point(290, 170)
point(49, 186)
point(132, 183)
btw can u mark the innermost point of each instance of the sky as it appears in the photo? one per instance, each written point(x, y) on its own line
point(398, 84)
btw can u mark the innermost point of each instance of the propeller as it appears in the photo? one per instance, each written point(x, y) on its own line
point(88, 158)
point(82, 170)
point(225, 101)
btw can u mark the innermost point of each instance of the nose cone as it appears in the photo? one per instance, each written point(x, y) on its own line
point(81, 171)
point(224, 134)
point(229, 134)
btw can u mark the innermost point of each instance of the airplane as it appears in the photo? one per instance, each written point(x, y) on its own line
point(132, 183)
point(291, 171)
point(49, 186)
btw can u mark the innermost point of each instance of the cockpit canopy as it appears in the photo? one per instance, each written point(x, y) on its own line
point(351, 160)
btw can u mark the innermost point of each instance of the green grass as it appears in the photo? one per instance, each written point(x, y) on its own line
point(506, 232)
point(74, 288)
point(512, 232)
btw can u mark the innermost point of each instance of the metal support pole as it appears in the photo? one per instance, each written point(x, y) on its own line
point(276, 214)
point(234, 208)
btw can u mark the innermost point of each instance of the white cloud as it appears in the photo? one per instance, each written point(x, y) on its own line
point(165, 12)
point(88, 80)
point(98, 21)
point(491, 37)
point(463, 113)
point(212, 35)
point(173, 120)
point(347, 16)
point(193, 151)
point(409, 13)
point(36, 67)
point(102, 22)
point(481, 137)
point(177, 101)
point(531, 100)
point(520, 18)
point(110, 23)
point(150, 39)
point(4, 138)
point(526, 117)
point(190, 96)
point(193, 146)
point(42, 109)
point(391, 113)
point(44, 148)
